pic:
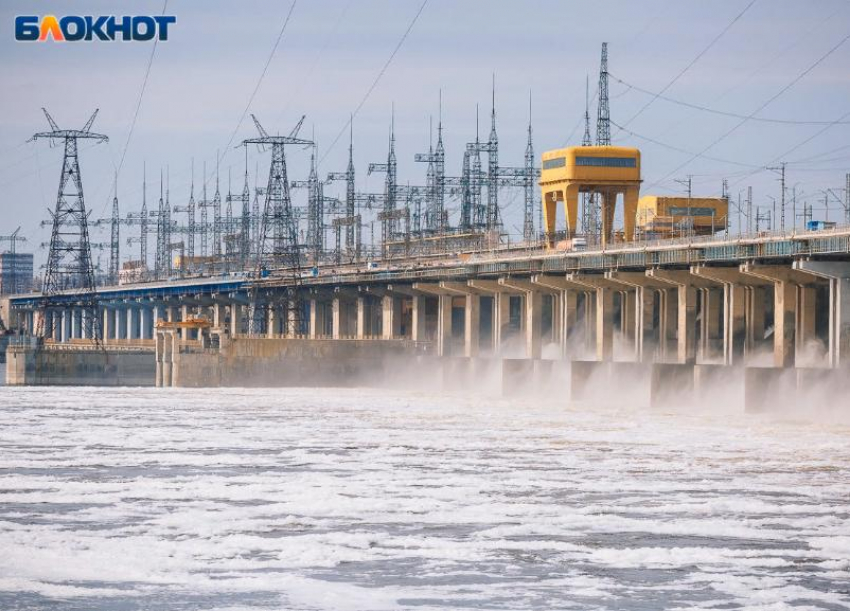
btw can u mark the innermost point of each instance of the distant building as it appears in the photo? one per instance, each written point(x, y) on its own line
point(132, 272)
point(15, 273)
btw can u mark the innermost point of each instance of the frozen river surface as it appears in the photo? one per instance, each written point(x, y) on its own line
point(324, 499)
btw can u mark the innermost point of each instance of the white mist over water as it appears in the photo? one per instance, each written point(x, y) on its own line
point(232, 499)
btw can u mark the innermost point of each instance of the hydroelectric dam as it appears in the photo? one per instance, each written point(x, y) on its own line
point(758, 318)
point(608, 293)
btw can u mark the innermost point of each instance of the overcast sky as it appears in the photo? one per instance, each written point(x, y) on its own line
point(331, 52)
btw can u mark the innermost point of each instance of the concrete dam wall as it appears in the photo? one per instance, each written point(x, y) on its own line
point(79, 367)
point(283, 362)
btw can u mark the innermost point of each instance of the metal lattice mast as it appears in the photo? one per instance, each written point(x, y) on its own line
point(115, 238)
point(529, 183)
point(847, 199)
point(256, 217)
point(493, 216)
point(141, 219)
point(349, 194)
point(190, 229)
point(160, 268)
point(479, 220)
point(279, 227)
point(278, 247)
point(190, 212)
point(603, 114)
point(216, 206)
point(389, 214)
point(586, 139)
point(203, 205)
point(431, 210)
point(315, 212)
point(466, 201)
point(350, 221)
point(588, 205)
point(229, 228)
point(69, 261)
point(245, 220)
point(440, 172)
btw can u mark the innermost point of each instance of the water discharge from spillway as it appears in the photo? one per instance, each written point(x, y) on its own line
point(358, 499)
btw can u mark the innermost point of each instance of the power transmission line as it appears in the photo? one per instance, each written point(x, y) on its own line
point(262, 76)
point(681, 150)
point(719, 112)
point(141, 96)
point(693, 61)
point(729, 132)
point(375, 82)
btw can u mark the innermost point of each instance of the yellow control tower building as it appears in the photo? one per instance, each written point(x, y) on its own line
point(605, 170)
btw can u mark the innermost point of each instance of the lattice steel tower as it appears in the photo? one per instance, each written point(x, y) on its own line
point(603, 113)
point(69, 262)
point(278, 245)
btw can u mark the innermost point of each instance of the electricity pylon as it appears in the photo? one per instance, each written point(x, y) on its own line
point(278, 246)
point(69, 278)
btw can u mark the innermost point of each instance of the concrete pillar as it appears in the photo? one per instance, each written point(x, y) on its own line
point(533, 314)
point(74, 316)
point(85, 324)
point(107, 324)
point(120, 328)
point(686, 324)
point(734, 323)
point(336, 317)
point(271, 321)
point(569, 309)
point(317, 319)
point(711, 333)
point(686, 285)
point(668, 310)
point(390, 317)
point(785, 282)
point(784, 317)
point(628, 315)
point(418, 318)
point(218, 315)
point(472, 325)
point(837, 273)
point(645, 307)
point(804, 324)
point(184, 316)
point(590, 320)
point(133, 322)
point(67, 314)
point(360, 324)
point(641, 301)
point(444, 325)
point(235, 319)
point(604, 324)
point(174, 353)
point(533, 324)
point(754, 320)
point(293, 315)
point(501, 319)
point(146, 322)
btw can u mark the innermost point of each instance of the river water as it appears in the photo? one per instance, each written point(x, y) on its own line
point(237, 500)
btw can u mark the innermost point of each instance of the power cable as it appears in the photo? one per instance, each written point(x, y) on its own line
point(798, 145)
point(375, 82)
point(141, 96)
point(729, 132)
point(260, 80)
point(720, 112)
point(681, 150)
point(693, 61)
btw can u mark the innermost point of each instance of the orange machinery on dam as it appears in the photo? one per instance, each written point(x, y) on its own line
point(611, 171)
